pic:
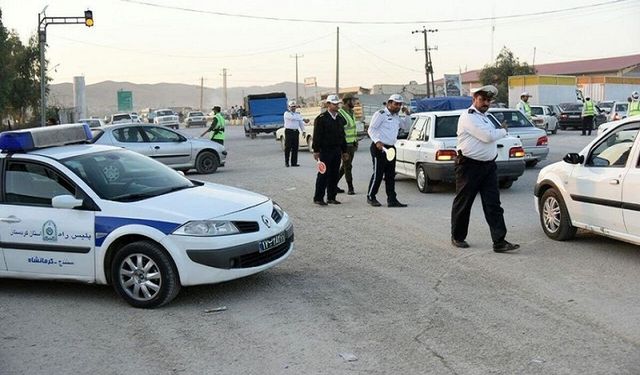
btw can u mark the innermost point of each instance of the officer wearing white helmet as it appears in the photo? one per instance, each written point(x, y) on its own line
point(475, 172)
point(383, 131)
point(293, 125)
point(523, 105)
point(634, 106)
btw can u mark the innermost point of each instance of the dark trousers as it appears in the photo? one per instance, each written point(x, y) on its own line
point(382, 168)
point(347, 165)
point(291, 144)
point(329, 180)
point(473, 177)
point(587, 124)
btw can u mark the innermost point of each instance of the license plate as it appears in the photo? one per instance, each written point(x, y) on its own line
point(270, 243)
point(574, 116)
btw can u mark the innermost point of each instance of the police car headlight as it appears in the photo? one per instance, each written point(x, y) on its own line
point(278, 209)
point(207, 228)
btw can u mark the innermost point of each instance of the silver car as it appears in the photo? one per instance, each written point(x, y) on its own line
point(167, 146)
point(534, 140)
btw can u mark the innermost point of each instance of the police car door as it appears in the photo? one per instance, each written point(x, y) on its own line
point(413, 145)
point(37, 238)
point(630, 196)
point(168, 146)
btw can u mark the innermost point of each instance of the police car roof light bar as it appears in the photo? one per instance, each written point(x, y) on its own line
point(31, 139)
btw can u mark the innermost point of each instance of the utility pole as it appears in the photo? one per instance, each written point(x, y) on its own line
point(224, 87)
point(201, 91)
point(433, 82)
point(338, 60)
point(427, 60)
point(296, 56)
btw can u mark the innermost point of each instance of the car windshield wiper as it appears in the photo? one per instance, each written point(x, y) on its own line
point(149, 194)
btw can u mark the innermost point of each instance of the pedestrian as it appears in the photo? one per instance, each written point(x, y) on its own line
point(351, 137)
point(383, 131)
point(588, 111)
point(634, 104)
point(523, 105)
point(293, 126)
point(475, 172)
point(328, 146)
point(217, 126)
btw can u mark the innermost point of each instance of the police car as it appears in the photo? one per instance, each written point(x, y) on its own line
point(595, 189)
point(101, 214)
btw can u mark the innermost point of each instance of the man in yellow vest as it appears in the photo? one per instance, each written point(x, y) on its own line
point(351, 137)
point(523, 105)
point(217, 126)
point(634, 105)
point(588, 111)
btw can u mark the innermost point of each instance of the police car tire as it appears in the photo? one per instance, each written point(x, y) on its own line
point(207, 162)
point(310, 143)
point(551, 206)
point(531, 163)
point(169, 280)
point(423, 182)
point(506, 183)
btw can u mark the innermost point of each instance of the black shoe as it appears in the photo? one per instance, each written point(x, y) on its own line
point(333, 201)
point(320, 202)
point(395, 203)
point(351, 192)
point(461, 244)
point(286, 165)
point(295, 165)
point(374, 202)
point(340, 191)
point(503, 246)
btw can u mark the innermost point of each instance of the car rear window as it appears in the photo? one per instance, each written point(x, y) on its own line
point(121, 117)
point(446, 126)
point(514, 119)
point(621, 107)
point(195, 114)
point(570, 107)
point(537, 111)
point(164, 113)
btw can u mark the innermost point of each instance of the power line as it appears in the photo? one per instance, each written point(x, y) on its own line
point(310, 20)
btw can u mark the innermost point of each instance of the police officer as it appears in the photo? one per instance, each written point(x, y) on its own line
point(383, 131)
point(351, 137)
point(293, 125)
point(217, 126)
point(634, 104)
point(328, 146)
point(588, 111)
point(523, 105)
point(475, 172)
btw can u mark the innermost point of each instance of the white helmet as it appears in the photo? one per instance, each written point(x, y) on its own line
point(635, 95)
point(292, 103)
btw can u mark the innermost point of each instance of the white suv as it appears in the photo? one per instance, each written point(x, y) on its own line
point(595, 189)
point(166, 117)
point(429, 152)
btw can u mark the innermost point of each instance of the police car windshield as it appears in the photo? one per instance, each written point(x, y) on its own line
point(125, 176)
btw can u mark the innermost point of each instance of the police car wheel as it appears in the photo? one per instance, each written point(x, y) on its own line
point(310, 143)
point(422, 180)
point(554, 216)
point(144, 276)
point(506, 183)
point(207, 162)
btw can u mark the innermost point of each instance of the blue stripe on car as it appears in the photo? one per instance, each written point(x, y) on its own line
point(107, 224)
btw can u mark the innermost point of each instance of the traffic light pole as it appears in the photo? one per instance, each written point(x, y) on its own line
point(43, 22)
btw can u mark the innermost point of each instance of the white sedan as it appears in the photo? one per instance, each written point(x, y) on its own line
point(101, 214)
point(595, 189)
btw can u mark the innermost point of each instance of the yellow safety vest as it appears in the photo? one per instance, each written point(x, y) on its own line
point(350, 130)
point(588, 108)
point(634, 108)
point(218, 131)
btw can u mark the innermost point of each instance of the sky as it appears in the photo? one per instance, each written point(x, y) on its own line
point(182, 41)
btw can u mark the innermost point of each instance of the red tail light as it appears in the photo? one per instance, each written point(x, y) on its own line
point(542, 141)
point(516, 152)
point(446, 155)
point(564, 115)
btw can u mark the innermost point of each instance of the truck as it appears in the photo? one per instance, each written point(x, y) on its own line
point(608, 88)
point(264, 113)
point(545, 89)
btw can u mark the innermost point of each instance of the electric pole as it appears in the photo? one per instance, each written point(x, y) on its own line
point(427, 57)
point(201, 91)
point(337, 60)
point(224, 87)
point(296, 56)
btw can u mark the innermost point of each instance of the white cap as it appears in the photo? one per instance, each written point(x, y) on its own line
point(396, 98)
point(489, 90)
point(526, 93)
point(635, 95)
point(292, 103)
point(333, 99)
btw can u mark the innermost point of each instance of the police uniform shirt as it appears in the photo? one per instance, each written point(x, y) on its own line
point(293, 120)
point(384, 127)
point(477, 135)
point(521, 107)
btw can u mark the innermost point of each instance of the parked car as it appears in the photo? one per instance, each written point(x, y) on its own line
point(166, 117)
point(595, 189)
point(170, 147)
point(534, 141)
point(135, 118)
point(618, 111)
point(195, 118)
point(606, 106)
point(544, 118)
point(119, 118)
point(571, 116)
point(429, 152)
point(305, 139)
point(92, 122)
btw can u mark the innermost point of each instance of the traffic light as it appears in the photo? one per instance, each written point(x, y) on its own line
point(88, 18)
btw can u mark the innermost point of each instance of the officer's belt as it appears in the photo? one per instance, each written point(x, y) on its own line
point(466, 158)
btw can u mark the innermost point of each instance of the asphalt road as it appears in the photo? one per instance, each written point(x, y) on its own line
point(383, 285)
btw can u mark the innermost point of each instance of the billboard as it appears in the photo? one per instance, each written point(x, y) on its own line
point(310, 81)
point(452, 85)
point(125, 101)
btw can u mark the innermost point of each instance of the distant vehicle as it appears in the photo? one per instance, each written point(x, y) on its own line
point(195, 118)
point(135, 118)
point(571, 116)
point(606, 105)
point(265, 113)
point(619, 111)
point(120, 118)
point(166, 117)
point(170, 147)
point(92, 122)
point(544, 118)
point(534, 140)
point(305, 139)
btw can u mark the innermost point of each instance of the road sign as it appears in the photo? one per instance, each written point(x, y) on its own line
point(125, 101)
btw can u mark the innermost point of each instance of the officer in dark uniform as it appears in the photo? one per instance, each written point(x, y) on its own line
point(475, 172)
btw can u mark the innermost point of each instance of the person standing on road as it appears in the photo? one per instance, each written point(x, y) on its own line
point(351, 137)
point(588, 111)
point(293, 125)
point(328, 145)
point(217, 127)
point(475, 172)
point(383, 131)
point(634, 104)
point(523, 105)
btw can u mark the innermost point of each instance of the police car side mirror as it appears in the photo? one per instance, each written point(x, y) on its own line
point(573, 158)
point(65, 201)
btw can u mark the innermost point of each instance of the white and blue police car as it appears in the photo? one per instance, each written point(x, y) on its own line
point(100, 214)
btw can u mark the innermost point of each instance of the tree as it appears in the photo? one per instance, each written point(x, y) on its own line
point(498, 74)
